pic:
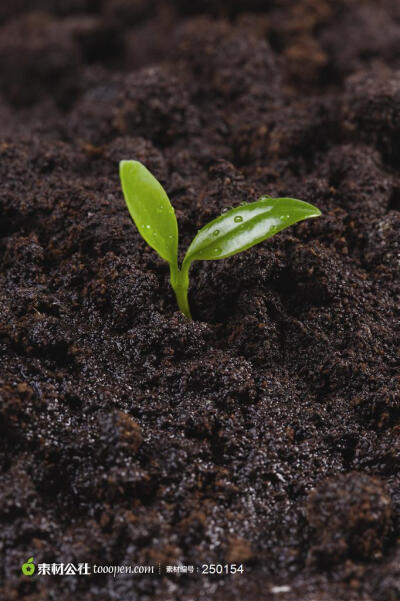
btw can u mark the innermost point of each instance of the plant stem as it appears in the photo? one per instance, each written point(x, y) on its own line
point(180, 284)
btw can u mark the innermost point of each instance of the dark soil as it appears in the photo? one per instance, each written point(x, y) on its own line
point(267, 431)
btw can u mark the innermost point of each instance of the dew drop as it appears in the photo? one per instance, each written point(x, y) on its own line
point(217, 251)
point(238, 219)
point(148, 227)
point(225, 210)
point(215, 232)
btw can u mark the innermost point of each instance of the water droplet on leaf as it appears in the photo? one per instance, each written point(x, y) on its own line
point(215, 232)
point(238, 219)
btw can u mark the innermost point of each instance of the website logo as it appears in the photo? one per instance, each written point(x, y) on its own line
point(28, 568)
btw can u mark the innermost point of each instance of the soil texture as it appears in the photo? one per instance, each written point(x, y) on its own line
point(266, 432)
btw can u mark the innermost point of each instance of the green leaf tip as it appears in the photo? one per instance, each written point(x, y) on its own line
point(229, 234)
point(150, 209)
point(247, 225)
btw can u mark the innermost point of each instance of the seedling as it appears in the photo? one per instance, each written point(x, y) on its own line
point(231, 233)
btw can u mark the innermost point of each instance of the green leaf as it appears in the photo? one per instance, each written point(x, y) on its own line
point(150, 209)
point(245, 226)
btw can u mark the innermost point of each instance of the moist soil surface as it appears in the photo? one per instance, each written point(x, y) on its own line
point(266, 431)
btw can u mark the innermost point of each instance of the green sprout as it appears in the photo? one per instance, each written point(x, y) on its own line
point(231, 233)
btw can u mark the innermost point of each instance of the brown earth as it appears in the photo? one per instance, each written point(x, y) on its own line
point(265, 432)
